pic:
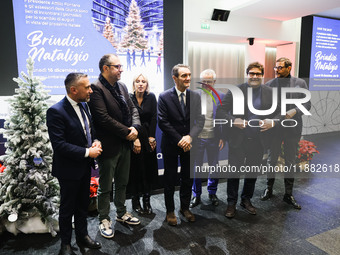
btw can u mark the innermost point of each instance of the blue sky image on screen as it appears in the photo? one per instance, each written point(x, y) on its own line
point(71, 36)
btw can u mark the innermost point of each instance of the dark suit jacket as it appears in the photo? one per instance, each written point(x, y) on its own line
point(294, 83)
point(236, 135)
point(107, 117)
point(171, 120)
point(68, 141)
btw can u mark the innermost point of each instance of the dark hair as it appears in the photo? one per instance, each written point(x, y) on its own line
point(285, 60)
point(178, 66)
point(71, 79)
point(105, 60)
point(255, 65)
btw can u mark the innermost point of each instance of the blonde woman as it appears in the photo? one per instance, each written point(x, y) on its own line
point(144, 169)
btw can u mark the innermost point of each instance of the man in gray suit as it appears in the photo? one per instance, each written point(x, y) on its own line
point(290, 136)
point(116, 121)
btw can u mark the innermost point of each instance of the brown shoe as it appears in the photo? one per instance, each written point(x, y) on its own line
point(246, 204)
point(188, 215)
point(171, 218)
point(230, 213)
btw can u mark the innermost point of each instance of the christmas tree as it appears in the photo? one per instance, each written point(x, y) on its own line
point(27, 187)
point(134, 37)
point(108, 32)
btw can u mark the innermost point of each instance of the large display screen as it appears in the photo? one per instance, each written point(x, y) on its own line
point(325, 57)
point(72, 35)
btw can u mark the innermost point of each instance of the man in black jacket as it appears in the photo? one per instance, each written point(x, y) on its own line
point(290, 136)
point(247, 136)
point(116, 121)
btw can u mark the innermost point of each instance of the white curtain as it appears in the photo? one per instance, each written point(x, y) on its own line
point(227, 60)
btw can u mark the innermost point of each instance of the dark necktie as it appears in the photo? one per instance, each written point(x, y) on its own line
point(182, 103)
point(87, 129)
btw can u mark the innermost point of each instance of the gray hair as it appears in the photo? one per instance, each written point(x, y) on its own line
point(207, 72)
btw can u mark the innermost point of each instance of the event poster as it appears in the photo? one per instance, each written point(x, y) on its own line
point(72, 35)
point(325, 58)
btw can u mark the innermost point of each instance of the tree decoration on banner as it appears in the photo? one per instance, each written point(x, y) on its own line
point(108, 32)
point(27, 188)
point(135, 33)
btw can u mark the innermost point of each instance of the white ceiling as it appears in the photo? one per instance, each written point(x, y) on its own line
point(281, 10)
point(278, 10)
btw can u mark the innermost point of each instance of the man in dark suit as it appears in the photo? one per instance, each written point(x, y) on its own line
point(247, 136)
point(180, 119)
point(290, 136)
point(74, 149)
point(116, 121)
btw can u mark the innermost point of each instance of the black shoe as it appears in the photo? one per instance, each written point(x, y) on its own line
point(289, 199)
point(66, 249)
point(195, 201)
point(88, 242)
point(146, 204)
point(267, 193)
point(246, 204)
point(214, 200)
point(136, 205)
point(230, 213)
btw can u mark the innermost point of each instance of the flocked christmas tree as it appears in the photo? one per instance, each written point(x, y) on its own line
point(108, 32)
point(27, 188)
point(135, 34)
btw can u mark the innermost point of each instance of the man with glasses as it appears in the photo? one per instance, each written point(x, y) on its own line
point(116, 121)
point(208, 142)
point(290, 136)
point(247, 136)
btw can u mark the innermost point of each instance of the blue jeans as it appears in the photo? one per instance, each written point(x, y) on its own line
point(210, 146)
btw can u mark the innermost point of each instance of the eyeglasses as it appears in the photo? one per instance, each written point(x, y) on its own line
point(279, 67)
point(251, 74)
point(208, 81)
point(117, 66)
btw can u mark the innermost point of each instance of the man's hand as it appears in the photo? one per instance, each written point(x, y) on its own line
point(240, 123)
point(291, 113)
point(132, 135)
point(137, 146)
point(267, 124)
point(152, 142)
point(94, 152)
point(185, 143)
point(97, 144)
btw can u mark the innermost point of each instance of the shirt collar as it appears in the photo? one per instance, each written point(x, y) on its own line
point(179, 92)
point(72, 102)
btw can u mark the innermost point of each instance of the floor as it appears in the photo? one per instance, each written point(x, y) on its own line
point(276, 229)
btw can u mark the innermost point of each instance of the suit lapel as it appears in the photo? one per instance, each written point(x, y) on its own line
point(73, 116)
point(175, 99)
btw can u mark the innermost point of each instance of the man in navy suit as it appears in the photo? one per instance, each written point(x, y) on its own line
point(290, 136)
point(180, 119)
point(247, 136)
point(74, 150)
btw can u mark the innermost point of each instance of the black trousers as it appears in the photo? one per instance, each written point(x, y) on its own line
point(170, 155)
point(250, 153)
point(290, 145)
point(74, 200)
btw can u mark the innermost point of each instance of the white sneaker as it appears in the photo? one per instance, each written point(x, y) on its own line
point(106, 229)
point(128, 218)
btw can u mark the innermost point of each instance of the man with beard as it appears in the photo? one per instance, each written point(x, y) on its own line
point(247, 136)
point(290, 136)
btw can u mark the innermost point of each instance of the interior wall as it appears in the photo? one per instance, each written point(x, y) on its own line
point(288, 51)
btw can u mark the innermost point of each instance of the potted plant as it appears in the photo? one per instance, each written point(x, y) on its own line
point(306, 151)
